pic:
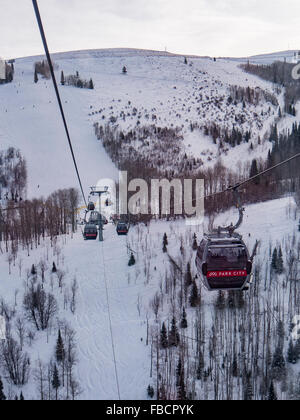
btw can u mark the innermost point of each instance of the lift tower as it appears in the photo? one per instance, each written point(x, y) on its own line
point(99, 191)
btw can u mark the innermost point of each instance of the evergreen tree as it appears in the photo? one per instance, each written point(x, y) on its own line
point(194, 297)
point(280, 330)
point(62, 79)
point(165, 240)
point(79, 83)
point(178, 372)
point(274, 260)
point(254, 171)
point(33, 270)
point(279, 268)
point(131, 261)
point(91, 84)
point(195, 243)
point(183, 323)
point(163, 336)
point(54, 269)
point(55, 381)
point(185, 60)
point(188, 276)
point(22, 397)
point(165, 243)
point(2, 395)
point(60, 349)
point(174, 338)
point(36, 79)
point(272, 394)
point(150, 391)
point(124, 70)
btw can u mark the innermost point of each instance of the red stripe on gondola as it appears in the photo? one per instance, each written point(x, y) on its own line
point(227, 273)
point(90, 235)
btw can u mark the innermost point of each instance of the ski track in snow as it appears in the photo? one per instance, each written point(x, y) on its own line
point(96, 369)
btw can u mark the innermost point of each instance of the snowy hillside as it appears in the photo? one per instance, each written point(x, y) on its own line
point(131, 295)
point(270, 58)
point(158, 89)
point(129, 317)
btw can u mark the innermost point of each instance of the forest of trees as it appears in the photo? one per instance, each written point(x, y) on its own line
point(13, 175)
point(26, 224)
point(227, 345)
point(42, 68)
point(159, 155)
point(36, 313)
point(279, 73)
point(76, 80)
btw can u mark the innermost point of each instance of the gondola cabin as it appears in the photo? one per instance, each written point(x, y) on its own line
point(223, 262)
point(90, 232)
point(122, 228)
point(91, 206)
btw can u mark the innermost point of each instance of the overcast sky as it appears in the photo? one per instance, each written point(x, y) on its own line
point(201, 27)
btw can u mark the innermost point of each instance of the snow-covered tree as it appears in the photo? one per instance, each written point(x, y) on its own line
point(174, 337)
point(183, 323)
point(163, 336)
point(56, 381)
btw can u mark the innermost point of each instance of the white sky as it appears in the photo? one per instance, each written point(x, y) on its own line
point(202, 27)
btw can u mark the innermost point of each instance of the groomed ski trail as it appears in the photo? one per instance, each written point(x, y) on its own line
point(95, 354)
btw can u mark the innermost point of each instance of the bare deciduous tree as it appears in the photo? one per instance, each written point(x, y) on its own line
point(40, 307)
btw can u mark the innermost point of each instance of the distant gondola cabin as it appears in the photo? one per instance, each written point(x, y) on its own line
point(90, 232)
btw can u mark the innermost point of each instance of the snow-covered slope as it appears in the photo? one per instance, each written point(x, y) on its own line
point(130, 294)
point(159, 88)
point(269, 58)
point(156, 84)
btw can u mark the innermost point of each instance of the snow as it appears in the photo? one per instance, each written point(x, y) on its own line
point(269, 58)
point(128, 291)
point(29, 120)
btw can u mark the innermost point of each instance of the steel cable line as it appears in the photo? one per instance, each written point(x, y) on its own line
point(43, 36)
point(35, 5)
point(246, 181)
point(110, 323)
